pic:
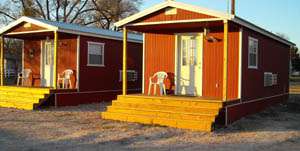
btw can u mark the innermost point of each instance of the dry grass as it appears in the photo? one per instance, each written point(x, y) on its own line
point(80, 128)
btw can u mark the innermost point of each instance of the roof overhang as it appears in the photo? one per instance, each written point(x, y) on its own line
point(174, 4)
point(219, 16)
point(29, 20)
point(48, 27)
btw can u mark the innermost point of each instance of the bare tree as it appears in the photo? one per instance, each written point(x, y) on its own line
point(111, 11)
point(101, 13)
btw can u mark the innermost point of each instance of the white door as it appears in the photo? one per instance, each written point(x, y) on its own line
point(189, 65)
point(47, 64)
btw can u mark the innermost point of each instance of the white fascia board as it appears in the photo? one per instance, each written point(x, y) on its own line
point(261, 30)
point(29, 20)
point(179, 5)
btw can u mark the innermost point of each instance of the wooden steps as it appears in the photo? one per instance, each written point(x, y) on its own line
point(294, 89)
point(22, 97)
point(179, 112)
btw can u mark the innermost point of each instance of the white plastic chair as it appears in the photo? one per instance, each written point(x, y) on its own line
point(24, 76)
point(65, 78)
point(160, 78)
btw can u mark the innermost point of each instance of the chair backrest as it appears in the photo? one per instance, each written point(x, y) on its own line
point(68, 73)
point(26, 73)
point(161, 76)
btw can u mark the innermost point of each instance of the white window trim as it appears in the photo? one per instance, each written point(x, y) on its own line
point(88, 56)
point(257, 52)
point(128, 71)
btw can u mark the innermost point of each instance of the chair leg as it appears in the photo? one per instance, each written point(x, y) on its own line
point(18, 81)
point(149, 89)
point(154, 89)
point(164, 88)
point(70, 83)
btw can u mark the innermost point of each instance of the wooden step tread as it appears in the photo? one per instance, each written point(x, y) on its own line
point(173, 103)
point(21, 96)
point(172, 98)
point(159, 107)
point(171, 115)
point(185, 124)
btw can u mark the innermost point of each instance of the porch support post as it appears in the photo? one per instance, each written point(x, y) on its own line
point(1, 60)
point(55, 60)
point(124, 60)
point(225, 61)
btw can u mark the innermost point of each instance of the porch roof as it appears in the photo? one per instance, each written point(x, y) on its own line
point(131, 21)
point(69, 28)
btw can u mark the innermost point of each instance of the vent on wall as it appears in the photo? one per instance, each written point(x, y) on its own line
point(270, 79)
point(170, 11)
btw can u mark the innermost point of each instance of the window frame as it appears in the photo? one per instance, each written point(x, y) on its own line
point(257, 52)
point(88, 54)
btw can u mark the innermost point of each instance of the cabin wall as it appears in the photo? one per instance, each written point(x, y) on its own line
point(160, 56)
point(107, 78)
point(66, 57)
point(273, 57)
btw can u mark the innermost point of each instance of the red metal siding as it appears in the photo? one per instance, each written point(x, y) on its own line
point(33, 63)
point(107, 78)
point(66, 56)
point(233, 63)
point(213, 66)
point(21, 28)
point(181, 15)
point(272, 57)
point(159, 56)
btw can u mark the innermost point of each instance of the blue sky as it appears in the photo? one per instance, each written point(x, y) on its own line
point(278, 16)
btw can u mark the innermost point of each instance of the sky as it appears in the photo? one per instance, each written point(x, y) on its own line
point(278, 16)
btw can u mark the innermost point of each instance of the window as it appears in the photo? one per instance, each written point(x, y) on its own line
point(253, 53)
point(95, 54)
point(131, 75)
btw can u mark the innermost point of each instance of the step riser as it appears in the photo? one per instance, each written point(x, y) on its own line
point(199, 126)
point(163, 115)
point(21, 98)
point(173, 102)
point(30, 95)
point(16, 105)
point(166, 108)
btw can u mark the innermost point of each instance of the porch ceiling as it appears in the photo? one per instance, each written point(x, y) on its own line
point(175, 26)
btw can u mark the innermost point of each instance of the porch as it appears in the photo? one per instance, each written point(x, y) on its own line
point(195, 113)
point(46, 56)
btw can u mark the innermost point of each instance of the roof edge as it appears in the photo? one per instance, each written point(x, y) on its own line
point(179, 5)
point(261, 30)
point(29, 20)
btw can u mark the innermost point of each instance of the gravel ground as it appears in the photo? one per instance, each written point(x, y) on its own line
point(80, 128)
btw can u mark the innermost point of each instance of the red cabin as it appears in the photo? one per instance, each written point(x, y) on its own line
point(50, 49)
point(220, 68)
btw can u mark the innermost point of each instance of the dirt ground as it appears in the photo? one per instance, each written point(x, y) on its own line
point(80, 128)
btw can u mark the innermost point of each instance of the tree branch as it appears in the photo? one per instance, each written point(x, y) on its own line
point(7, 15)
